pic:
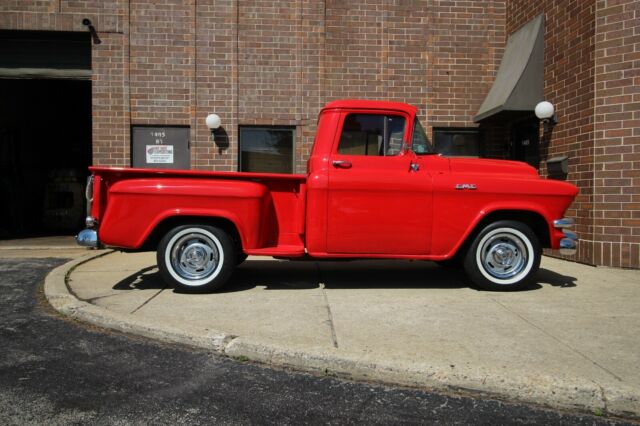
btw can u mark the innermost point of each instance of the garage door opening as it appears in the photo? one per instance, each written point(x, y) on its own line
point(45, 132)
point(45, 149)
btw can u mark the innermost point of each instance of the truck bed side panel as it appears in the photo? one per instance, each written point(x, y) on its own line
point(264, 210)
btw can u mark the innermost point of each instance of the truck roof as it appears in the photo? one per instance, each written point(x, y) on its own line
point(367, 104)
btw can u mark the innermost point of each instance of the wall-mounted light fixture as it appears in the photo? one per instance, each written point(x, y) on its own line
point(92, 30)
point(547, 114)
point(213, 122)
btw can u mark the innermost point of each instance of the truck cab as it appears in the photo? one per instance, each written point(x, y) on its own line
point(364, 172)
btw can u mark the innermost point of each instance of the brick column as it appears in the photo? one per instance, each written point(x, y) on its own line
point(616, 184)
point(110, 88)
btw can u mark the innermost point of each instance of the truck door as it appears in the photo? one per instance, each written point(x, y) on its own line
point(379, 199)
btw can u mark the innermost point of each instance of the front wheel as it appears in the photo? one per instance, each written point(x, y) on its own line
point(241, 257)
point(196, 258)
point(504, 256)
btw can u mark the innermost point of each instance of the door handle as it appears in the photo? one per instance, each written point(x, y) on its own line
point(341, 164)
point(414, 167)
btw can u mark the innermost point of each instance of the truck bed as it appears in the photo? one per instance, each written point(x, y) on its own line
point(271, 207)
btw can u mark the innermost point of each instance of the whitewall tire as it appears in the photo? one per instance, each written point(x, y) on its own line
point(504, 256)
point(196, 258)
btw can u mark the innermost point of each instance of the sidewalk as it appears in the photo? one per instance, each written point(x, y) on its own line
point(53, 246)
point(571, 342)
point(63, 242)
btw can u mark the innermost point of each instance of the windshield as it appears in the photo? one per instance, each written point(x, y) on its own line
point(419, 142)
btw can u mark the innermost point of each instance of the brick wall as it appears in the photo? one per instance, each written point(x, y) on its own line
point(161, 52)
point(277, 63)
point(270, 65)
point(616, 155)
point(110, 114)
point(44, 6)
point(569, 85)
point(65, 6)
point(216, 85)
point(466, 43)
point(113, 7)
point(591, 76)
point(282, 71)
point(273, 62)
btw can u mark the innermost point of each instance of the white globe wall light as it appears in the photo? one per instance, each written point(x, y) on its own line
point(213, 122)
point(545, 112)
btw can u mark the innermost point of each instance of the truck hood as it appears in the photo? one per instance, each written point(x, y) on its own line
point(499, 167)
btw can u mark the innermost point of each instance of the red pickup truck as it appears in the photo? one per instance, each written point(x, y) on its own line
point(374, 188)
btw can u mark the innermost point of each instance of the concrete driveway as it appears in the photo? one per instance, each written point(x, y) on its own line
point(571, 341)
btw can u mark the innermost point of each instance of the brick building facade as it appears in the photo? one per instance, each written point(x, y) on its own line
point(592, 75)
point(276, 63)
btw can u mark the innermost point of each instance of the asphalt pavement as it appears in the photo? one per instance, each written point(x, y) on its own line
point(56, 371)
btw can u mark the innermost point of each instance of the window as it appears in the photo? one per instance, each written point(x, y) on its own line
point(457, 142)
point(371, 134)
point(419, 142)
point(266, 149)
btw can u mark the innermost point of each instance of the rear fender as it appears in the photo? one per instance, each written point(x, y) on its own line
point(174, 217)
point(137, 206)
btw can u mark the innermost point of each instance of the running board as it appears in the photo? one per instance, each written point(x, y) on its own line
point(278, 251)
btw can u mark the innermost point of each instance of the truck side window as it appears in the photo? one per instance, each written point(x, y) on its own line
point(419, 142)
point(372, 134)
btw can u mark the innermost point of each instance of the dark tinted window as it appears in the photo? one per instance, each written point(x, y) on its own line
point(266, 149)
point(457, 142)
point(372, 134)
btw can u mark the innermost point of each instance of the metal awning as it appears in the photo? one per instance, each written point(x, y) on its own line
point(519, 84)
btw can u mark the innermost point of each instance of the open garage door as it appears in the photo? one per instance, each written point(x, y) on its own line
point(45, 132)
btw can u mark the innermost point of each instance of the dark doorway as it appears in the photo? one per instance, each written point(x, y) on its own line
point(525, 142)
point(45, 149)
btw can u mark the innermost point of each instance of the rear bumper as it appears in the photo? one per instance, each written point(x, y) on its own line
point(568, 244)
point(88, 238)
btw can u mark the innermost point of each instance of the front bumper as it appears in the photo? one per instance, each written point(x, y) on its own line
point(568, 244)
point(88, 238)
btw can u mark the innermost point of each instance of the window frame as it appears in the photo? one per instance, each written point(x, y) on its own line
point(385, 114)
point(292, 129)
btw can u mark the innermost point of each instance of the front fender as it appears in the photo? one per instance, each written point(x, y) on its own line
point(454, 230)
point(495, 208)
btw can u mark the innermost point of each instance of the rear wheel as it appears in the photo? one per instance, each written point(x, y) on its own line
point(196, 258)
point(504, 256)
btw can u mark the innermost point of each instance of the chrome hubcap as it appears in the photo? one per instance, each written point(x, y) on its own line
point(194, 256)
point(504, 255)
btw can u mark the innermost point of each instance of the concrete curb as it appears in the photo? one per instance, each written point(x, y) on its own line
point(62, 300)
point(553, 392)
point(546, 391)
